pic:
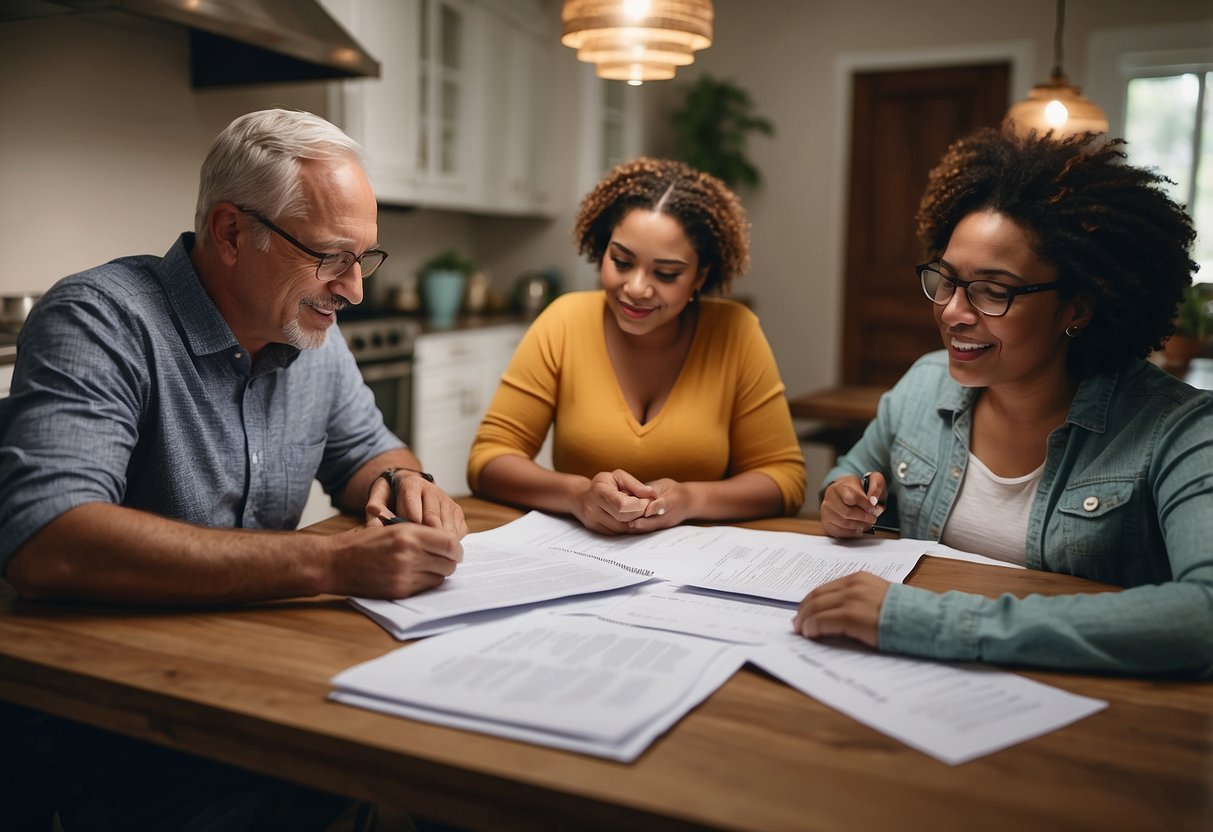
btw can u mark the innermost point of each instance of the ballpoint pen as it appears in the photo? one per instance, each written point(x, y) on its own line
point(866, 480)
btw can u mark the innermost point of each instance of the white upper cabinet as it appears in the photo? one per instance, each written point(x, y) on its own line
point(457, 117)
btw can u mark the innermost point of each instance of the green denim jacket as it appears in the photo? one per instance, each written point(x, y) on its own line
point(1126, 498)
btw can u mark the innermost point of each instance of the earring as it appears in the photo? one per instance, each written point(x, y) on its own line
point(695, 296)
point(1073, 330)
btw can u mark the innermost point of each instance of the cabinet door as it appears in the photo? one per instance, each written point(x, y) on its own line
point(380, 113)
point(516, 77)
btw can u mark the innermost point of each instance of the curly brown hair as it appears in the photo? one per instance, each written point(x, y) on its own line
point(1111, 231)
point(710, 214)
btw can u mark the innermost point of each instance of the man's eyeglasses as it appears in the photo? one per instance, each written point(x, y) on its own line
point(329, 266)
point(986, 296)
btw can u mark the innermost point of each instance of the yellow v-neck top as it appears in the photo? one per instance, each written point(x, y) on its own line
point(725, 415)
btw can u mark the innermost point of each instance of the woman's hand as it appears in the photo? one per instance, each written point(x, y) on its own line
point(848, 607)
point(612, 501)
point(671, 505)
point(847, 510)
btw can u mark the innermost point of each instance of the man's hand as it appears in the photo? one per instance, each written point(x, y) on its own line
point(417, 500)
point(394, 561)
point(849, 607)
point(847, 510)
point(612, 501)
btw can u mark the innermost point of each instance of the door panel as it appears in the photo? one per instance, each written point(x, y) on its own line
point(902, 122)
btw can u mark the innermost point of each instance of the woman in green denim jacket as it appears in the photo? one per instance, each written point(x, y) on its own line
point(1042, 413)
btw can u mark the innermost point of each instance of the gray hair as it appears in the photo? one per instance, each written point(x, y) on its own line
point(254, 163)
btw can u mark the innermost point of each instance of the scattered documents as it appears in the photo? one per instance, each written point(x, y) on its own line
point(551, 634)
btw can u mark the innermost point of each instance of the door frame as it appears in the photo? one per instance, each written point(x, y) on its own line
point(1020, 54)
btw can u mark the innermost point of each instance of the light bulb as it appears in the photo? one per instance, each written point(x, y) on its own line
point(636, 9)
point(1056, 113)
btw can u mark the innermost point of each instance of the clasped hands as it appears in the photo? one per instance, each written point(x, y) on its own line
point(615, 502)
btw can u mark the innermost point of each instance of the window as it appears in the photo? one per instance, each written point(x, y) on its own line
point(1169, 127)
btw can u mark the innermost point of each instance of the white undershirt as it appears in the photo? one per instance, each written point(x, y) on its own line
point(990, 515)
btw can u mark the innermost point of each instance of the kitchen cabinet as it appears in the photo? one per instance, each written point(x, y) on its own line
point(516, 82)
point(457, 118)
point(455, 375)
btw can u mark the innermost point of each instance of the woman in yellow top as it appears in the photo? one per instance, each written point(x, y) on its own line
point(667, 405)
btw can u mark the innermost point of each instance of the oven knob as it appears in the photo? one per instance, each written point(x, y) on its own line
point(357, 343)
point(376, 339)
point(393, 338)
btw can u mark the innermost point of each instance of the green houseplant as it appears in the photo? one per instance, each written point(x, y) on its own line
point(712, 128)
point(443, 278)
point(1193, 326)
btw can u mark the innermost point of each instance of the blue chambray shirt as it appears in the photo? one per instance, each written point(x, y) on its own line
point(1126, 498)
point(131, 389)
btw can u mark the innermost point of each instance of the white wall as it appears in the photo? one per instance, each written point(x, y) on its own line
point(101, 137)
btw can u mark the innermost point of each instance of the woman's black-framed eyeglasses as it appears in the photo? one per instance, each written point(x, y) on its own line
point(986, 296)
point(328, 266)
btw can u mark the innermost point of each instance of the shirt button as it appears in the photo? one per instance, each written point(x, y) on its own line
point(1091, 503)
point(955, 473)
point(902, 467)
point(256, 458)
point(237, 355)
point(935, 532)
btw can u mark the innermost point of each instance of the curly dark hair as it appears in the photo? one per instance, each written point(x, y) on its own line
point(1110, 230)
point(710, 214)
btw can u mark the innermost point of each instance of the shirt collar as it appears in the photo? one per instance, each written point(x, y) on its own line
point(1089, 410)
point(204, 328)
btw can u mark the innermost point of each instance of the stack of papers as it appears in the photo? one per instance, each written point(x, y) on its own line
point(551, 634)
point(575, 683)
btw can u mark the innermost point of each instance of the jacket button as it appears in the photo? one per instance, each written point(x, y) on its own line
point(902, 467)
point(955, 473)
point(1091, 503)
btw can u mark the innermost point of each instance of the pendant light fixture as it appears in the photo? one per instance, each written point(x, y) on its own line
point(1057, 104)
point(637, 40)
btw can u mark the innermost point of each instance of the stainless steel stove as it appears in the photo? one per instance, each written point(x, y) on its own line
point(383, 347)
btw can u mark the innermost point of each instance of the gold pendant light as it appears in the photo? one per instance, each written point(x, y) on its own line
point(637, 40)
point(1056, 105)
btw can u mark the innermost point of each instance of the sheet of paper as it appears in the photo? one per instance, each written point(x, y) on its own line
point(496, 576)
point(403, 624)
point(785, 565)
point(941, 551)
point(652, 551)
point(663, 606)
point(567, 678)
point(953, 713)
point(779, 565)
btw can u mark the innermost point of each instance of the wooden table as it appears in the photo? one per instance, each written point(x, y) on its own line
point(248, 686)
point(843, 412)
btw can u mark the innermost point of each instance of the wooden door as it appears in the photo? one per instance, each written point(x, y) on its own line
point(902, 123)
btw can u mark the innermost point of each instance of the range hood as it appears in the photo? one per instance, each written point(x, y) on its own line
point(238, 41)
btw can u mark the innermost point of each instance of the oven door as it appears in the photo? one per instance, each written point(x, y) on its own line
point(392, 384)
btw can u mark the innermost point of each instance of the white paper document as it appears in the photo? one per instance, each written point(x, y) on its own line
point(569, 682)
point(493, 577)
point(681, 610)
point(785, 565)
point(779, 565)
point(952, 713)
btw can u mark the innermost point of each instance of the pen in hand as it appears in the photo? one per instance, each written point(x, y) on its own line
point(866, 481)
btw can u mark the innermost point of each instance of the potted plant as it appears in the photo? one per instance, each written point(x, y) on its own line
point(443, 277)
point(1193, 326)
point(712, 127)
